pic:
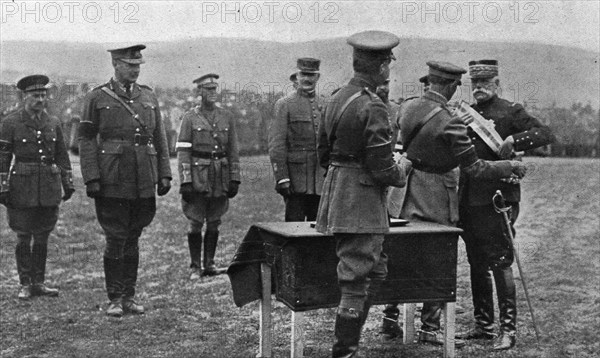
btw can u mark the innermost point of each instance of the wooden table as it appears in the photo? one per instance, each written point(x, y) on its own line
point(301, 263)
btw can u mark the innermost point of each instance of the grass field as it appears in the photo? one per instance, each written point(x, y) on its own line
point(558, 240)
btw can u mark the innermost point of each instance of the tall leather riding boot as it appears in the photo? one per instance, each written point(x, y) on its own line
point(390, 328)
point(210, 247)
point(23, 258)
point(483, 298)
point(507, 303)
point(195, 246)
point(113, 275)
point(130, 271)
point(348, 324)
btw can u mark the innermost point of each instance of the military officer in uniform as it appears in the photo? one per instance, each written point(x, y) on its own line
point(293, 145)
point(209, 169)
point(124, 156)
point(485, 236)
point(31, 189)
point(437, 144)
point(355, 146)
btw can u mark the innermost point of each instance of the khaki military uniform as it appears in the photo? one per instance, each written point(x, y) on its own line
point(208, 156)
point(41, 167)
point(293, 152)
point(128, 156)
point(353, 203)
point(437, 151)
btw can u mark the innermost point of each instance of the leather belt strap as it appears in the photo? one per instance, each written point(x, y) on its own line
point(209, 155)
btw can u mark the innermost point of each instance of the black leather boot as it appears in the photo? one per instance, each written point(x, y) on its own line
point(483, 304)
point(210, 247)
point(113, 274)
point(39, 253)
point(507, 303)
point(195, 246)
point(390, 327)
point(23, 258)
point(130, 269)
point(348, 323)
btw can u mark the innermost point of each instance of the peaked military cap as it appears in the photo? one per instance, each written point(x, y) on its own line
point(373, 45)
point(483, 68)
point(424, 80)
point(207, 81)
point(308, 65)
point(33, 83)
point(130, 54)
point(294, 77)
point(445, 70)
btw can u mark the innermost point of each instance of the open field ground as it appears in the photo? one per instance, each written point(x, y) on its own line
point(558, 239)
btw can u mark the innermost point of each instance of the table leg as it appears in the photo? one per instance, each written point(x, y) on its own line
point(409, 323)
point(449, 312)
point(265, 344)
point(297, 335)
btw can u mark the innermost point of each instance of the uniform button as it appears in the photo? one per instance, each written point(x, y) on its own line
point(54, 139)
point(41, 151)
point(137, 129)
point(313, 108)
point(107, 107)
point(196, 163)
point(131, 101)
point(103, 151)
point(199, 129)
point(39, 142)
point(24, 140)
point(216, 146)
point(314, 116)
point(39, 133)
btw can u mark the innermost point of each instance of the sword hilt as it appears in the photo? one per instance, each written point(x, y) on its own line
point(500, 203)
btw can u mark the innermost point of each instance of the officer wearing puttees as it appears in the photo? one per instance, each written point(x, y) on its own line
point(31, 189)
point(355, 146)
point(485, 235)
point(437, 144)
point(293, 145)
point(209, 169)
point(124, 155)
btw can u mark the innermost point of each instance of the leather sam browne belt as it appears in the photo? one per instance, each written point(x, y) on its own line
point(137, 139)
point(41, 159)
point(209, 155)
point(419, 165)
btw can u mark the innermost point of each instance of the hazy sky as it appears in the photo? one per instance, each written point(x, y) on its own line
point(569, 23)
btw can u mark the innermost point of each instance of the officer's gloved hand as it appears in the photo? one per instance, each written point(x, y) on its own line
point(284, 189)
point(507, 147)
point(164, 185)
point(4, 198)
point(233, 189)
point(92, 188)
point(518, 168)
point(187, 192)
point(68, 194)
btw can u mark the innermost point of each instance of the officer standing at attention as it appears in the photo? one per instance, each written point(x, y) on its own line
point(485, 235)
point(355, 145)
point(33, 193)
point(209, 169)
point(124, 155)
point(293, 145)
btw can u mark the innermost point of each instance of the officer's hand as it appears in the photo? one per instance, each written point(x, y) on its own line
point(187, 192)
point(518, 168)
point(68, 194)
point(164, 185)
point(233, 189)
point(507, 147)
point(92, 189)
point(4, 198)
point(284, 189)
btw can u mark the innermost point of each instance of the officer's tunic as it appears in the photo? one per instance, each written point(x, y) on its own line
point(292, 148)
point(41, 166)
point(128, 156)
point(358, 154)
point(208, 156)
point(437, 151)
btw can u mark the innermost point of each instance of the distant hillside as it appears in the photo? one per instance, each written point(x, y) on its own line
point(531, 72)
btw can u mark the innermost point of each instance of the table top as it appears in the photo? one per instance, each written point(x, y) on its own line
point(302, 229)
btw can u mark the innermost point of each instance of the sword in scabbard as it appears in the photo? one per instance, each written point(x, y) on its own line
point(501, 208)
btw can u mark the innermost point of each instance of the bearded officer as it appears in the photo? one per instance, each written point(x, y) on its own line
point(124, 155)
point(355, 145)
point(293, 145)
point(209, 169)
point(486, 238)
point(33, 192)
